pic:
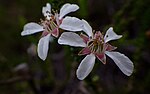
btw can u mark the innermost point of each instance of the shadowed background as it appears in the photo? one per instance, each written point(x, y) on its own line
point(22, 72)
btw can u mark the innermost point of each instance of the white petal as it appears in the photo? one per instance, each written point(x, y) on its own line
point(43, 46)
point(111, 35)
point(85, 66)
point(31, 28)
point(71, 24)
point(67, 8)
point(122, 61)
point(72, 39)
point(51, 38)
point(87, 28)
point(46, 10)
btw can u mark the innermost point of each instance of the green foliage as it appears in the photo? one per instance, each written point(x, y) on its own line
point(134, 17)
point(83, 8)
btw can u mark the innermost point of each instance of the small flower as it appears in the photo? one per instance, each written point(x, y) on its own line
point(96, 45)
point(50, 26)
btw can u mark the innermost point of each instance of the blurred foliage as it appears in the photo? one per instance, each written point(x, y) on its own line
point(57, 74)
point(135, 21)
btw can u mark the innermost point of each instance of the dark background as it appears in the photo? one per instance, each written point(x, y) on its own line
point(22, 72)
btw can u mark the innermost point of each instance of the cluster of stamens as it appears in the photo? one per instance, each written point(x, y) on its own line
point(96, 45)
point(49, 25)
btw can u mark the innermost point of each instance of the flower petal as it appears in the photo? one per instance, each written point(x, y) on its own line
point(87, 28)
point(67, 8)
point(101, 57)
point(84, 37)
point(47, 11)
point(43, 46)
point(44, 33)
point(55, 32)
point(109, 47)
point(31, 28)
point(85, 66)
point(51, 39)
point(111, 35)
point(71, 24)
point(84, 51)
point(72, 39)
point(122, 61)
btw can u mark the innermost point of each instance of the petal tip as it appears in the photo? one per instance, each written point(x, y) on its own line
point(80, 77)
point(22, 33)
point(77, 7)
point(48, 4)
point(59, 41)
point(131, 71)
point(67, 8)
point(43, 58)
point(120, 36)
point(122, 61)
point(111, 28)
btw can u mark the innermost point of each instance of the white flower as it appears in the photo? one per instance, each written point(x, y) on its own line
point(50, 26)
point(66, 8)
point(95, 45)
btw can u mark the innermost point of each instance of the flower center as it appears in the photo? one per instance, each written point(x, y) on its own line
point(96, 45)
point(49, 25)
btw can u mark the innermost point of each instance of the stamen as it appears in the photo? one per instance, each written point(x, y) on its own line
point(51, 26)
point(92, 49)
point(54, 25)
point(49, 29)
point(53, 11)
point(98, 49)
